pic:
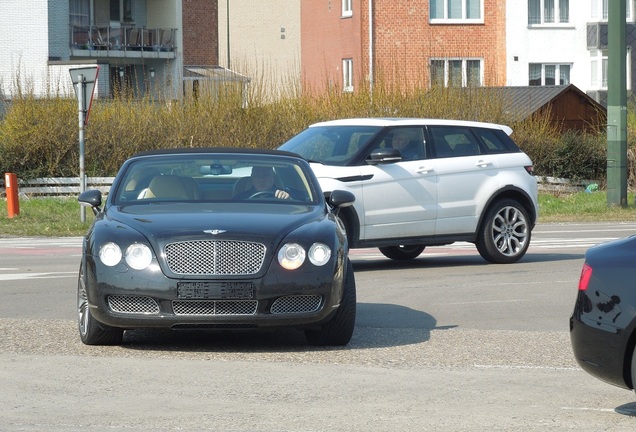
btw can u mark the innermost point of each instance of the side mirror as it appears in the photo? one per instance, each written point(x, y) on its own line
point(384, 156)
point(91, 198)
point(341, 198)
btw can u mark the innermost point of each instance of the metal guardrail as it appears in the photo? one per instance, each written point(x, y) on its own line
point(59, 186)
point(68, 186)
point(556, 184)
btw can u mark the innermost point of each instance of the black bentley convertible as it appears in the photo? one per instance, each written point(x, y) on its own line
point(216, 239)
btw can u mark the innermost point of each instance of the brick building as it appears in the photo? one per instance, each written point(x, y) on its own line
point(350, 43)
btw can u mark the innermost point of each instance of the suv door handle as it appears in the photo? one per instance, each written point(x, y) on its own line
point(483, 163)
point(424, 170)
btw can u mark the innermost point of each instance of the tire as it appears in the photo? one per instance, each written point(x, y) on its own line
point(504, 235)
point(403, 252)
point(634, 370)
point(91, 331)
point(338, 331)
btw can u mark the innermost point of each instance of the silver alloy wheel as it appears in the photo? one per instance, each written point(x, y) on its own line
point(510, 231)
point(82, 305)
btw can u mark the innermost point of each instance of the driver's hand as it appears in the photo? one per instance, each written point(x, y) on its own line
point(281, 194)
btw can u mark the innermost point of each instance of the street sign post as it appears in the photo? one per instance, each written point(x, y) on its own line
point(84, 80)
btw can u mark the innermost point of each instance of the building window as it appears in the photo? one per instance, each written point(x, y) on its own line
point(456, 72)
point(80, 13)
point(600, 10)
point(121, 10)
point(549, 74)
point(347, 75)
point(600, 66)
point(444, 11)
point(548, 11)
point(347, 8)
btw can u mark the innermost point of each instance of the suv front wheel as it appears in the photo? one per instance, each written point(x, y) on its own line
point(504, 235)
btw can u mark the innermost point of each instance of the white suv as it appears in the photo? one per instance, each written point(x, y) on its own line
point(424, 182)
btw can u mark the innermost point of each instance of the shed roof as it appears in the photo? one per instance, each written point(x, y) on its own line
point(521, 102)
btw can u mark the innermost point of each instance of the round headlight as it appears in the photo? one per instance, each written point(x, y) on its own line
point(110, 254)
point(319, 254)
point(291, 256)
point(138, 256)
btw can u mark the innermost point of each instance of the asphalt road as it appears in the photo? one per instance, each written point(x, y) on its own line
point(443, 343)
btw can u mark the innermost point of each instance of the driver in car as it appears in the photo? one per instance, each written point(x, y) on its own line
point(263, 185)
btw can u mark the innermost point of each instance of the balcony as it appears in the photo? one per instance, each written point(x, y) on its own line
point(122, 42)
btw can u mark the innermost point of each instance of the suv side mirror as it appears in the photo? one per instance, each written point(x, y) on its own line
point(384, 156)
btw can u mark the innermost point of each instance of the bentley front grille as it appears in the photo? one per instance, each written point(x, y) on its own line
point(215, 257)
point(296, 304)
point(132, 304)
point(214, 307)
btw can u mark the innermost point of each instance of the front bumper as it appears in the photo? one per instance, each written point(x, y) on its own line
point(129, 300)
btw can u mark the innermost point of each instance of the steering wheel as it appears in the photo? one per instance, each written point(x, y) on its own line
point(262, 194)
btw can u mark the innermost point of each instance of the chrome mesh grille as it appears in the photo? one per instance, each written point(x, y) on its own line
point(131, 304)
point(296, 304)
point(215, 257)
point(214, 307)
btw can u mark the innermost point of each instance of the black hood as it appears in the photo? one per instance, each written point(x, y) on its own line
point(181, 221)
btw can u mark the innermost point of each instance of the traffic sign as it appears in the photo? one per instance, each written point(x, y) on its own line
point(87, 76)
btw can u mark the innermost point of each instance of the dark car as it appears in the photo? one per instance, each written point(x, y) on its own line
point(603, 324)
point(182, 242)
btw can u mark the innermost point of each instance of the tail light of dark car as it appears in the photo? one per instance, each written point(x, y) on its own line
point(586, 275)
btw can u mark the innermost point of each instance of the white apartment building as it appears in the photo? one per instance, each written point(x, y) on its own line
point(136, 43)
point(560, 42)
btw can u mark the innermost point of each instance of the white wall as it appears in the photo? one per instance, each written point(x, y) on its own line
point(23, 45)
point(560, 44)
point(258, 46)
point(24, 51)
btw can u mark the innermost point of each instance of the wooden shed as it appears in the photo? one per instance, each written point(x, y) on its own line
point(568, 106)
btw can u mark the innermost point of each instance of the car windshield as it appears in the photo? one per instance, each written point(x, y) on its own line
point(215, 178)
point(331, 145)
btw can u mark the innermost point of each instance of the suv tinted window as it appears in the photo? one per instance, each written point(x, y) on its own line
point(331, 145)
point(408, 140)
point(496, 141)
point(453, 141)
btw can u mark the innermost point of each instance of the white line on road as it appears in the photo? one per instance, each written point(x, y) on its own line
point(527, 367)
point(589, 409)
point(23, 276)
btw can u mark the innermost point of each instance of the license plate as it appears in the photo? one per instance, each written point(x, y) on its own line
point(215, 290)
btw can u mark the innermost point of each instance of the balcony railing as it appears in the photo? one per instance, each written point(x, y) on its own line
point(115, 41)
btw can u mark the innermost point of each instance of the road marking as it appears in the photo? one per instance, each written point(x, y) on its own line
point(558, 368)
point(612, 410)
point(24, 276)
point(487, 301)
